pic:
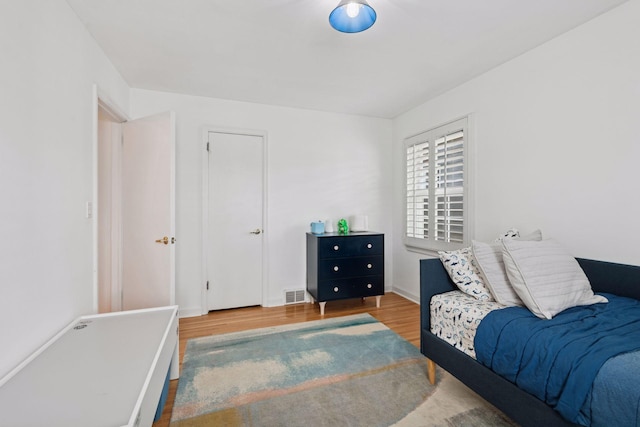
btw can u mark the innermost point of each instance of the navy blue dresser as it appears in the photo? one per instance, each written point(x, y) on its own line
point(340, 266)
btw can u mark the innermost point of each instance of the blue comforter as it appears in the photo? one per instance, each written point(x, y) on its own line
point(557, 360)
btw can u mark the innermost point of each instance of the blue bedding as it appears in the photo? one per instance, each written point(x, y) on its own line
point(541, 356)
point(615, 396)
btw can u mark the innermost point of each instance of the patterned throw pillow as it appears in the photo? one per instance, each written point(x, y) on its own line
point(462, 268)
point(511, 233)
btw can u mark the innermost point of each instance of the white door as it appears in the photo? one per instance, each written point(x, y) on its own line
point(235, 220)
point(148, 212)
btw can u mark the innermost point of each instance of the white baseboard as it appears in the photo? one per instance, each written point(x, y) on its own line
point(274, 302)
point(190, 312)
point(407, 295)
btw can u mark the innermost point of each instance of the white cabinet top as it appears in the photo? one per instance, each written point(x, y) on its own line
point(94, 373)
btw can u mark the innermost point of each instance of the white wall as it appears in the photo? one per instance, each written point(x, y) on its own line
point(557, 143)
point(49, 66)
point(320, 165)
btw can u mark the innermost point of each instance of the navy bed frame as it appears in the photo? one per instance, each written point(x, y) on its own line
point(520, 406)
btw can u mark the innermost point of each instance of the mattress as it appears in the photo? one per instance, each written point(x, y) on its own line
point(455, 317)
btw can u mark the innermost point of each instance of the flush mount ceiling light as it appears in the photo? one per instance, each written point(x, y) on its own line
point(352, 16)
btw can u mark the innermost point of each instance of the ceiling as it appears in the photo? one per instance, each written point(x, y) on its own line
point(283, 52)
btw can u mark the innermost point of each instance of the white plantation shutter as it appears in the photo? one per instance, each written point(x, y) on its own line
point(449, 190)
point(436, 188)
point(418, 190)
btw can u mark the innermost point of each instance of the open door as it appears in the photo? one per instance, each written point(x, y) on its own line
point(148, 212)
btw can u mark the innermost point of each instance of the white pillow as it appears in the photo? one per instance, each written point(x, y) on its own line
point(489, 260)
point(546, 277)
point(462, 269)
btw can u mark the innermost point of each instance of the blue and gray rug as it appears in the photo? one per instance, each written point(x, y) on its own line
point(348, 371)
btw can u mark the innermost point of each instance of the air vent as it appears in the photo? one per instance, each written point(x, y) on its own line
point(294, 296)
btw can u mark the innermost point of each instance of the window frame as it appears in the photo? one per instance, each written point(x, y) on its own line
point(430, 244)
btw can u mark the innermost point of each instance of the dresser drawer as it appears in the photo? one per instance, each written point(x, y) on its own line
point(337, 268)
point(354, 287)
point(347, 246)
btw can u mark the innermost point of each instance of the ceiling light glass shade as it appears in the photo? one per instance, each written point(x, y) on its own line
point(352, 16)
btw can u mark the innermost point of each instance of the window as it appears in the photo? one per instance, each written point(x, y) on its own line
point(437, 188)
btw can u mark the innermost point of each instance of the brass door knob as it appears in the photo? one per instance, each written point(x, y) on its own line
point(164, 240)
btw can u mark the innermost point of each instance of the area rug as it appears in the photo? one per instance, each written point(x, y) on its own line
point(347, 371)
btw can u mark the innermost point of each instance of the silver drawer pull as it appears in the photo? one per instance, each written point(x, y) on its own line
point(335, 289)
point(336, 268)
point(369, 265)
point(369, 246)
point(336, 247)
point(369, 286)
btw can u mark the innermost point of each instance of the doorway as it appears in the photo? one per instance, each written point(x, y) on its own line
point(234, 219)
point(107, 210)
point(134, 224)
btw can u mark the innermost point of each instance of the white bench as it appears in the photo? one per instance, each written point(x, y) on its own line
point(101, 370)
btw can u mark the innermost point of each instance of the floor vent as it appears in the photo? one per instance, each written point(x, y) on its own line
point(294, 296)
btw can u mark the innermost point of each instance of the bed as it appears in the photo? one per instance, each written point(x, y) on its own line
point(522, 406)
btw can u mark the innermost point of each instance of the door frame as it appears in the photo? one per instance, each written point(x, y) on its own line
point(205, 207)
point(102, 101)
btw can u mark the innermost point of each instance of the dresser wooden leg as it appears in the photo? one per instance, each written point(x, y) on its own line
point(431, 371)
point(322, 304)
point(378, 298)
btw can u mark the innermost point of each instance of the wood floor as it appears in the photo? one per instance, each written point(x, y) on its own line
point(398, 313)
